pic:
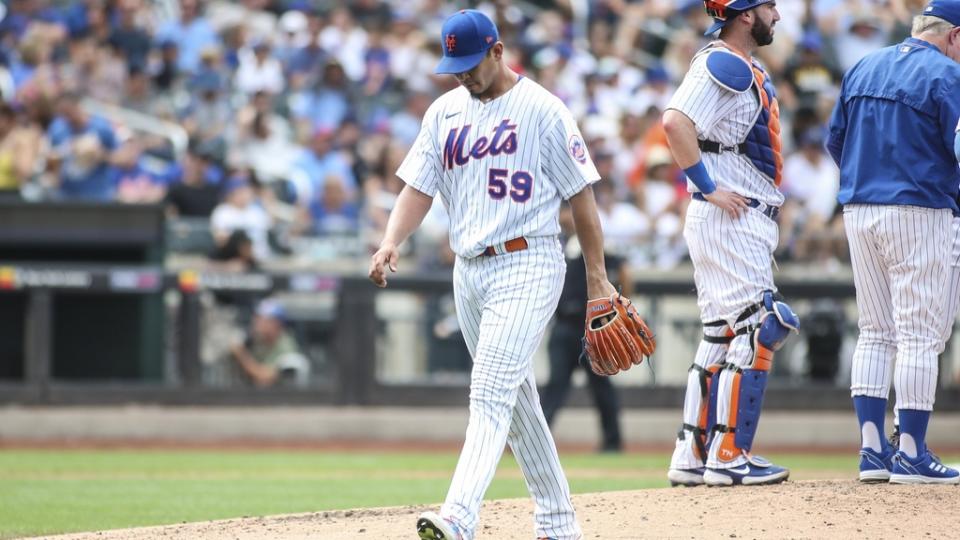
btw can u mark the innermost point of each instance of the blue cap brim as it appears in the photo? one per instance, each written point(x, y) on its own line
point(717, 25)
point(459, 64)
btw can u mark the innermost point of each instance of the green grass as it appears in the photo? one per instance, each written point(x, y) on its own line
point(46, 492)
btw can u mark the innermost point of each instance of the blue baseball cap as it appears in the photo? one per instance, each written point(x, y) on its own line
point(466, 37)
point(725, 10)
point(948, 10)
point(272, 309)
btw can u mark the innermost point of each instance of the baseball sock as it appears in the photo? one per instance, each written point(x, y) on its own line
point(870, 414)
point(913, 426)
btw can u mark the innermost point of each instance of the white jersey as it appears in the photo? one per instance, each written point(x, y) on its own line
point(726, 117)
point(500, 167)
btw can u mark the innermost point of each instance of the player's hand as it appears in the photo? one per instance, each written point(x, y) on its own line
point(385, 257)
point(730, 202)
point(599, 288)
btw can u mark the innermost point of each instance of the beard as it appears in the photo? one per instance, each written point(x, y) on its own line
point(761, 32)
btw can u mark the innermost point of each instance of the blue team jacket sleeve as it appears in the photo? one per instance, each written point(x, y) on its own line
point(838, 131)
point(950, 112)
point(956, 146)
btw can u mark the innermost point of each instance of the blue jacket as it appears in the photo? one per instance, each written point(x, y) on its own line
point(892, 130)
point(956, 145)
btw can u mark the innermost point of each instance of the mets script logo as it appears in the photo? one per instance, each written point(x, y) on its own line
point(457, 150)
point(451, 42)
point(577, 149)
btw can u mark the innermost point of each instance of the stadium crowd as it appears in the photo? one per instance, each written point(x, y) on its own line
point(298, 112)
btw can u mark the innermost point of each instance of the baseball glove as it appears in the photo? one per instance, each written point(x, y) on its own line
point(615, 337)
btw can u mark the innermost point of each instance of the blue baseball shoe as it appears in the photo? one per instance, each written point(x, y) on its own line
point(430, 526)
point(686, 477)
point(757, 471)
point(925, 469)
point(876, 466)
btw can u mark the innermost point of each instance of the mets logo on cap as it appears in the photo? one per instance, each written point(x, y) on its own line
point(577, 149)
point(451, 43)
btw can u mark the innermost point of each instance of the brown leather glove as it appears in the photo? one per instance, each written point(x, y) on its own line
point(615, 337)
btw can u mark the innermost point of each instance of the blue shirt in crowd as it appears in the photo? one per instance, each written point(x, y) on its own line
point(83, 181)
point(893, 127)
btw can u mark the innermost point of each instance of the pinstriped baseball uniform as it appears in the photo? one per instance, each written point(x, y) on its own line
point(901, 274)
point(953, 290)
point(732, 258)
point(501, 169)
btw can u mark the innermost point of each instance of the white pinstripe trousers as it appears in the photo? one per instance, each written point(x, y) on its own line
point(901, 269)
point(504, 304)
point(732, 261)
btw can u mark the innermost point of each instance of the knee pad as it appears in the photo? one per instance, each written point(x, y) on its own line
point(749, 383)
point(776, 323)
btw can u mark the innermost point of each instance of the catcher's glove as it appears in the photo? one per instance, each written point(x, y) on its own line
point(615, 337)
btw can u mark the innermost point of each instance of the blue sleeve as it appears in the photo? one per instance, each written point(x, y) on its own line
point(950, 112)
point(956, 145)
point(837, 131)
point(106, 135)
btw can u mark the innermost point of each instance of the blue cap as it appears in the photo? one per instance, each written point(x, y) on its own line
point(948, 10)
point(466, 37)
point(725, 10)
point(272, 309)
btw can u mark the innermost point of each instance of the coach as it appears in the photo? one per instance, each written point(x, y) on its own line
point(892, 134)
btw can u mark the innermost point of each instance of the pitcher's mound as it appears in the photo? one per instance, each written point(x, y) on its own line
point(812, 509)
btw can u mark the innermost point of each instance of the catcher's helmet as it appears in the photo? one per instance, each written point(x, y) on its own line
point(724, 10)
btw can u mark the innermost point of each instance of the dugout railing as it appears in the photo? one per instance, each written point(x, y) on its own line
point(354, 343)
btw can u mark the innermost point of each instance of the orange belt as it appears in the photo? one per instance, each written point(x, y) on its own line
point(517, 244)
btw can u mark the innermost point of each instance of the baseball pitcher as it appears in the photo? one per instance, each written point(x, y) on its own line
point(502, 152)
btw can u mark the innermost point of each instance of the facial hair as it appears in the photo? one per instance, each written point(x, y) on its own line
point(761, 32)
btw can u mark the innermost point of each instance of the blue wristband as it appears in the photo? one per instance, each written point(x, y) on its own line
point(956, 146)
point(701, 178)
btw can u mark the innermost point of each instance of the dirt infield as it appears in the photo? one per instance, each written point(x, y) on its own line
point(809, 509)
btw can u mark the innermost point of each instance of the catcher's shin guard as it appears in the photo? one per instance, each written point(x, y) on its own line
point(750, 382)
point(701, 409)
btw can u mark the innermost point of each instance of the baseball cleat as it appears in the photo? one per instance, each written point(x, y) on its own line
point(757, 471)
point(686, 477)
point(925, 469)
point(876, 466)
point(430, 526)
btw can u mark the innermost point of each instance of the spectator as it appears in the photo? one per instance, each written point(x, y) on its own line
point(135, 183)
point(234, 255)
point(240, 210)
point(258, 71)
point(208, 115)
point(333, 212)
point(661, 200)
point(263, 141)
point(269, 355)
point(194, 190)
point(318, 162)
point(19, 150)
point(129, 37)
point(166, 73)
point(810, 224)
point(192, 32)
point(325, 106)
point(624, 225)
point(808, 74)
point(81, 150)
